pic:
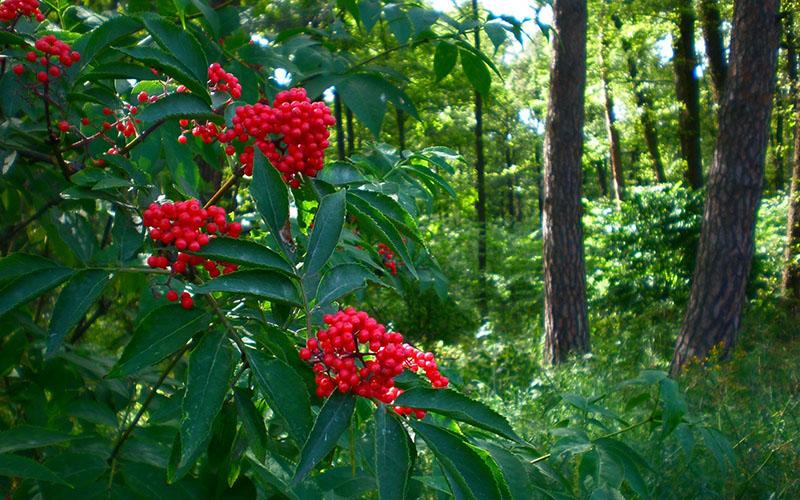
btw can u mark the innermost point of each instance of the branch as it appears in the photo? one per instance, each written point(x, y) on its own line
point(139, 138)
point(224, 187)
point(12, 230)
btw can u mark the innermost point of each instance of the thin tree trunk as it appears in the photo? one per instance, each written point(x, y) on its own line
point(351, 135)
point(645, 105)
point(510, 180)
point(518, 197)
point(725, 251)
point(617, 174)
point(711, 22)
point(565, 316)
point(539, 182)
point(791, 273)
point(480, 204)
point(687, 89)
point(401, 131)
point(337, 113)
point(777, 146)
point(600, 168)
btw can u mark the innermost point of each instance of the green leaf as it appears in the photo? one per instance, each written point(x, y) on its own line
point(94, 42)
point(340, 173)
point(369, 12)
point(341, 280)
point(389, 207)
point(210, 15)
point(74, 301)
point(392, 455)
point(476, 71)
point(673, 403)
point(259, 282)
point(328, 224)
point(719, 446)
point(465, 467)
point(373, 221)
point(30, 286)
point(180, 43)
point(8, 38)
point(252, 422)
point(162, 332)
point(495, 30)
point(162, 61)
point(245, 252)
point(459, 407)
point(399, 23)
point(629, 460)
point(27, 437)
point(284, 391)
point(271, 197)
point(25, 468)
point(512, 468)
point(177, 106)
point(332, 421)
point(210, 368)
point(366, 96)
point(20, 264)
point(430, 178)
point(117, 70)
point(444, 59)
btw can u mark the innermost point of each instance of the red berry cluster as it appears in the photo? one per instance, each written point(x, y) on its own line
point(388, 258)
point(51, 53)
point(10, 10)
point(356, 354)
point(186, 225)
point(222, 81)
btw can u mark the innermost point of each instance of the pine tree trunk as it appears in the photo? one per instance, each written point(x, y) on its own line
point(645, 105)
point(725, 250)
point(711, 22)
point(351, 135)
point(480, 185)
point(337, 113)
point(791, 273)
point(687, 89)
point(565, 316)
point(615, 150)
point(600, 168)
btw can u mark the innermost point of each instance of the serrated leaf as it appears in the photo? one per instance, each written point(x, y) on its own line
point(209, 14)
point(25, 468)
point(328, 224)
point(341, 280)
point(444, 59)
point(94, 42)
point(20, 264)
point(332, 421)
point(27, 287)
point(371, 220)
point(180, 43)
point(392, 455)
point(252, 422)
point(465, 467)
point(245, 252)
point(211, 365)
point(259, 282)
point(26, 437)
point(399, 23)
point(178, 106)
point(476, 72)
point(369, 12)
point(459, 407)
point(495, 30)
point(284, 391)
point(389, 207)
point(162, 332)
point(271, 197)
point(340, 174)
point(170, 66)
point(673, 404)
point(75, 299)
point(366, 97)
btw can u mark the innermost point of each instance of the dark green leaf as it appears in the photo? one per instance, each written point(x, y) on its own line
point(369, 12)
point(476, 71)
point(673, 403)
point(164, 62)
point(210, 15)
point(459, 407)
point(366, 96)
point(495, 30)
point(180, 43)
point(19, 264)
point(27, 437)
point(92, 43)
point(259, 282)
point(341, 280)
point(328, 224)
point(341, 173)
point(398, 22)
point(392, 455)
point(271, 196)
point(371, 220)
point(74, 301)
point(176, 106)
point(444, 59)
point(284, 391)
point(162, 332)
point(25, 468)
point(252, 422)
point(210, 367)
point(332, 421)
point(30, 286)
point(245, 252)
point(464, 465)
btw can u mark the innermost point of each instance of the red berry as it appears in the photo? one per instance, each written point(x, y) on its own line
point(182, 139)
point(18, 69)
point(85, 121)
point(41, 76)
point(54, 71)
point(106, 111)
point(63, 126)
point(142, 97)
point(172, 295)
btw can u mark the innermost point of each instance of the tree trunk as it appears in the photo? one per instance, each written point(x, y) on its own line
point(617, 174)
point(510, 177)
point(711, 22)
point(687, 90)
point(401, 131)
point(480, 204)
point(791, 273)
point(725, 250)
point(600, 168)
point(777, 147)
point(337, 113)
point(645, 105)
point(351, 135)
point(565, 317)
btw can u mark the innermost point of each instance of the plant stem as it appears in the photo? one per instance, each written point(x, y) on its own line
point(224, 187)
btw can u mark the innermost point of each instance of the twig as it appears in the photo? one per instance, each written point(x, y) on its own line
point(224, 187)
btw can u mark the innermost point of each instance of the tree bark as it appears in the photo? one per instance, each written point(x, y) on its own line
point(351, 135)
point(600, 168)
point(790, 282)
point(687, 90)
point(337, 113)
point(480, 185)
point(565, 316)
point(645, 105)
point(615, 152)
point(711, 21)
point(725, 250)
point(777, 147)
point(401, 131)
